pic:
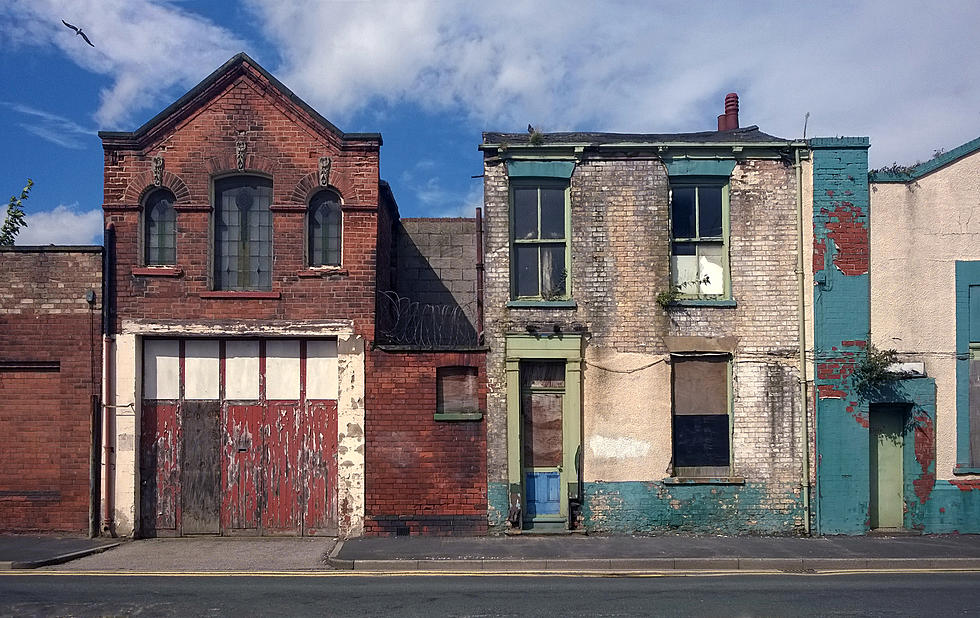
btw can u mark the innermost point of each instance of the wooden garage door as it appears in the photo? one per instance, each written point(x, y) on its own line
point(239, 437)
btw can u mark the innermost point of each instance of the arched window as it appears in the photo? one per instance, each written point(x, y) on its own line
point(243, 233)
point(160, 229)
point(325, 223)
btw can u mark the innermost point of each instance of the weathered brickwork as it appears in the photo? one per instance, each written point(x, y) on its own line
point(423, 476)
point(283, 142)
point(50, 371)
point(620, 209)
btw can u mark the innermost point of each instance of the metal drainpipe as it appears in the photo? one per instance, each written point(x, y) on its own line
point(805, 434)
point(108, 399)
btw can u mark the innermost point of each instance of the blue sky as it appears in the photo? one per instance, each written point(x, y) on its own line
point(430, 76)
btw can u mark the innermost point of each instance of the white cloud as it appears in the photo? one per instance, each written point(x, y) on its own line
point(65, 225)
point(52, 127)
point(146, 48)
point(896, 71)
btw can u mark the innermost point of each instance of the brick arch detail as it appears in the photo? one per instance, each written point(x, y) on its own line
point(310, 184)
point(142, 184)
point(228, 165)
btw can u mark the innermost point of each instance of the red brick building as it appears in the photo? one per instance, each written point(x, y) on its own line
point(50, 375)
point(248, 238)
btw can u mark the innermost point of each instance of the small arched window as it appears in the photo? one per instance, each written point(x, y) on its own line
point(160, 229)
point(325, 223)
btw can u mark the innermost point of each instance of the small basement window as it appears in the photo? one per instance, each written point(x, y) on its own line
point(457, 394)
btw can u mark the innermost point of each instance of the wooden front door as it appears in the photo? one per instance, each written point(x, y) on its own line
point(886, 434)
point(542, 401)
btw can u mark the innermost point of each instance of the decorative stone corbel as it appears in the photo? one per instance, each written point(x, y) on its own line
point(240, 152)
point(324, 170)
point(156, 165)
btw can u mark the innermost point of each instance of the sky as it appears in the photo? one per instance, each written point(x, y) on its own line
point(431, 76)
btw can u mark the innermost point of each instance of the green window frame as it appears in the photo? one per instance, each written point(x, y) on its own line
point(540, 234)
point(699, 238)
point(701, 395)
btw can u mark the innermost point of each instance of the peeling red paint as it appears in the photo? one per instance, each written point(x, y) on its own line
point(159, 467)
point(942, 509)
point(862, 419)
point(857, 343)
point(830, 192)
point(847, 226)
point(828, 391)
point(925, 454)
point(819, 249)
point(966, 484)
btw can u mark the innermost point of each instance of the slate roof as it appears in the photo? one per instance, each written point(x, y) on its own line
point(236, 62)
point(747, 135)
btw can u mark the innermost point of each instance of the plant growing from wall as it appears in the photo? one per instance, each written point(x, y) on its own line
point(557, 289)
point(671, 295)
point(536, 138)
point(15, 219)
point(872, 369)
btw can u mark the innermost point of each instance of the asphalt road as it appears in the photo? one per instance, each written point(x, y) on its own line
point(906, 594)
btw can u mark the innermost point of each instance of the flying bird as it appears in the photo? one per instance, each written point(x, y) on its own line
point(78, 31)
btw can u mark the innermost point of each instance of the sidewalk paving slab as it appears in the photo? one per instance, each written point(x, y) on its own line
point(658, 553)
point(31, 552)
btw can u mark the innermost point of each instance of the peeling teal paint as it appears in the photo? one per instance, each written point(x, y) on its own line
point(635, 506)
point(497, 502)
point(842, 312)
point(841, 324)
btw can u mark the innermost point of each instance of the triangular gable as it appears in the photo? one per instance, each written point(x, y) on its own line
point(209, 88)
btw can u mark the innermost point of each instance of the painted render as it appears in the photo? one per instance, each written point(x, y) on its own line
point(925, 248)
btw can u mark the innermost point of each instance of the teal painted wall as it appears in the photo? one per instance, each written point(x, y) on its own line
point(636, 506)
point(841, 324)
point(498, 505)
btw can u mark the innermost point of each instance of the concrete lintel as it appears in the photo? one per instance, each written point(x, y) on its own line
point(701, 344)
point(239, 328)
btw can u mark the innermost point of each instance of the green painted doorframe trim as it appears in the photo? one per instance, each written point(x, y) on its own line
point(545, 347)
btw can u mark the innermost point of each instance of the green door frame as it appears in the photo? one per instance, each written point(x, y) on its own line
point(545, 347)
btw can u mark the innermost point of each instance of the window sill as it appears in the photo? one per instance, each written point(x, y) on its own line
point(323, 271)
point(962, 470)
point(229, 294)
point(542, 304)
point(691, 480)
point(458, 416)
point(704, 302)
point(157, 271)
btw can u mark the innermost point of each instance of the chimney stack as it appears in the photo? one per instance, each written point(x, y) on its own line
point(729, 120)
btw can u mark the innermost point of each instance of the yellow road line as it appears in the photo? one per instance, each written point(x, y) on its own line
point(577, 574)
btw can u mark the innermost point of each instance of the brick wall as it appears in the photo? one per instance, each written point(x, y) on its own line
point(282, 141)
point(422, 476)
point(620, 262)
point(46, 410)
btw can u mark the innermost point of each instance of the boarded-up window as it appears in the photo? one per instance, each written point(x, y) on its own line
point(701, 419)
point(456, 390)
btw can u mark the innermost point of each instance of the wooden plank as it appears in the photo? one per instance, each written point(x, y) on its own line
point(319, 468)
point(280, 467)
point(159, 469)
point(241, 462)
point(200, 473)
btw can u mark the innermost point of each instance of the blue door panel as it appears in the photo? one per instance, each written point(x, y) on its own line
point(543, 493)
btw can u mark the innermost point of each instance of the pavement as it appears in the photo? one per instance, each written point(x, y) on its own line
point(658, 553)
point(507, 554)
point(31, 552)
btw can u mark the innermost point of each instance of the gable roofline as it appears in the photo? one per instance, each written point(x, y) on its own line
point(918, 171)
point(236, 62)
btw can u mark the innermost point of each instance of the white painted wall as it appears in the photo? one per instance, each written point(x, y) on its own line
point(918, 231)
